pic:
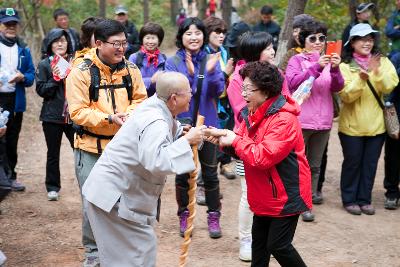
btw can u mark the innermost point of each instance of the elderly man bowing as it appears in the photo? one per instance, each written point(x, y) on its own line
point(123, 189)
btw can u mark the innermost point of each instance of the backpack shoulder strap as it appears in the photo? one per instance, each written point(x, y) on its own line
point(139, 59)
point(127, 81)
point(94, 80)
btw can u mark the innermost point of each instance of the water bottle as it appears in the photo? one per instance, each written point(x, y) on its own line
point(304, 90)
point(4, 118)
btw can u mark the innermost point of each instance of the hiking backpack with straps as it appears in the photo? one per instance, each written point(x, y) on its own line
point(95, 85)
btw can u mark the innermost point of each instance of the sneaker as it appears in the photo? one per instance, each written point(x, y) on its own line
point(201, 195)
point(228, 170)
point(245, 249)
point(3, 258)
point(214, 229)
point(183, 222)
point(52, 196)
point(307, 216)
point(91, 261)
point(353, 209)
point(368, 209)
point(317, 198)
point(391, 203)
point(17, 186)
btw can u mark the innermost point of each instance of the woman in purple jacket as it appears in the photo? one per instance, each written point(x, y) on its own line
point(149, 59)
point(317, 111)
point(191, 39)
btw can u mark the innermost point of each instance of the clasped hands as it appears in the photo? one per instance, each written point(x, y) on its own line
point(196, 135)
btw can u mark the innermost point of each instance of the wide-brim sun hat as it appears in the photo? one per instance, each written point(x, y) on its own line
point(361, 29)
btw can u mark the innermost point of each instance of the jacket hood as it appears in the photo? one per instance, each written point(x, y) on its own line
point(55, 34)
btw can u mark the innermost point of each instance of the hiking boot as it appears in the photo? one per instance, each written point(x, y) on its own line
point(245, 249)
point(368, 209)
point(200, 195)
point(52, 196)
point(91, 261)
point(317, 198)
point(17, 186)
point(228, 170)
point(353, 209)
point(183, 222)
point(307, 216)
point(391, 203)
point(214, 230)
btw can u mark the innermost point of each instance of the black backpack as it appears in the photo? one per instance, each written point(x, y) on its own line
point(95, 83)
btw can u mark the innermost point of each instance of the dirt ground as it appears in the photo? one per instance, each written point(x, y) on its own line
point(36, 232)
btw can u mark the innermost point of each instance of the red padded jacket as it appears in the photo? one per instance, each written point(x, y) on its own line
point(270, 143)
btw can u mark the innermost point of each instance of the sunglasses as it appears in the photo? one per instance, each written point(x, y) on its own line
point(219, 31)
point(313, 38)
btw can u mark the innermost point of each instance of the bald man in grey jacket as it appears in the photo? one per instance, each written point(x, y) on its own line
point(123, 189)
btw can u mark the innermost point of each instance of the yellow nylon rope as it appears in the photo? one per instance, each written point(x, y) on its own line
point(192, 201)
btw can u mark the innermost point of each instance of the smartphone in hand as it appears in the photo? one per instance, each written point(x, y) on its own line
point(333, 47)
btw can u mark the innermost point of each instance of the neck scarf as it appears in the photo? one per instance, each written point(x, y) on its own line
point(7, 41)
point(362, 60)
point(152, 56)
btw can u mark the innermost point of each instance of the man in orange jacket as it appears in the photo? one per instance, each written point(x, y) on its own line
point(101, 92)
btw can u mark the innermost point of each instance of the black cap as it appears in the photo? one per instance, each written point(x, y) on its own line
point(364, 7)
point(235, 32)
point(9, 14)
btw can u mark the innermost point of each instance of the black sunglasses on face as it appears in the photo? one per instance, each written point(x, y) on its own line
point(313, 38)
point(219, 31)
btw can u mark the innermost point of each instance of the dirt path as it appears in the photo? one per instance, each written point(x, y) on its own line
point(36, 232)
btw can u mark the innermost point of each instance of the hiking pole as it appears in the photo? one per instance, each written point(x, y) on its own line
point(192, 201)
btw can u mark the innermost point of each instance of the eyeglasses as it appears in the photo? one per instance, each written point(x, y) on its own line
point(314, 38)
point(246, 89)
point(219, 31)
point(117, 45)
point(61, 41)
point(366, 39)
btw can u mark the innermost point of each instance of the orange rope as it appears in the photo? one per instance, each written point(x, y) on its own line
point(192, 201)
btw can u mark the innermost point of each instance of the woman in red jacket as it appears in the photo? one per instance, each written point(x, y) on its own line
point(270, 143)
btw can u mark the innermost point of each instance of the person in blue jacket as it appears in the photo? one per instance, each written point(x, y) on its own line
point(191, 40)
point(149, 59)
point(18, 72)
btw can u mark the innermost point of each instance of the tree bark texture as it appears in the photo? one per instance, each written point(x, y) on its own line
point(295, 7)
point(175, 5)
point(102, 8)
point(146, 11)
point(227, 11)
point(202, 7)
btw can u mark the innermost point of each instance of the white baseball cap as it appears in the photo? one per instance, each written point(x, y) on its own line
point(361, 29)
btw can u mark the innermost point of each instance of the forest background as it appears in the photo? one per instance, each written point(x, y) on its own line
point(37, 14)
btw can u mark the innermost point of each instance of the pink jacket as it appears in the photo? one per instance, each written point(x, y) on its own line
point(317, 111)
point(234, 92)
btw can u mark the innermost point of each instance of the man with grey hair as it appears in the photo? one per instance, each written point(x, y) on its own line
point(122, 192)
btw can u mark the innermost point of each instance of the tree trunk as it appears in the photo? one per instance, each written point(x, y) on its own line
point(201, 7)
point(352, 9)
point(227, 11)
point(295, 7)
point(175, 5)
point(146, 11)
point(102, 8)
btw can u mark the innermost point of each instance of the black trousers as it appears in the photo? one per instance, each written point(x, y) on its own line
point(322, 171)
point(392, 168)
point(12, 136)
point(208, 161)
point(53, 133)
point(360, 161)
point(274, 235)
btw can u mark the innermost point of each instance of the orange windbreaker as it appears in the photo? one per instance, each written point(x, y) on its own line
point(93, 116)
